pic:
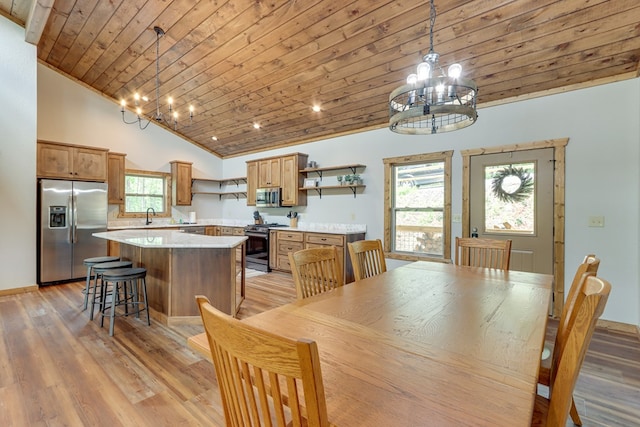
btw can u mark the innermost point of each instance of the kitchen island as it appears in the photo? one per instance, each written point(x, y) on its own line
point(182, 265)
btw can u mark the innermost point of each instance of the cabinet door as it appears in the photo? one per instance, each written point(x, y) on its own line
point(89, 164)
point(269, 173)
point(55, 161)
point(181, 183)
point(252, 182)
point(292, 180)
point(212, 230)
point(115, 178)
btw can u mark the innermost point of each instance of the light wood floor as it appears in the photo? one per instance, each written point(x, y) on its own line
point(58, 368)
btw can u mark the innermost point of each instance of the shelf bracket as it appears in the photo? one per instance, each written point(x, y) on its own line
point(353, 189)
point(319, 190)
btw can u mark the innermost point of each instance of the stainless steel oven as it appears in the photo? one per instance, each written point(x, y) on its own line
point(257, 252)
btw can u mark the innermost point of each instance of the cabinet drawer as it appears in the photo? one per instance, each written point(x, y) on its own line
point(325, 239)
point(292, 236)
point(285, 247)
point(231, 231)
point(283, 263)
point(238, 231)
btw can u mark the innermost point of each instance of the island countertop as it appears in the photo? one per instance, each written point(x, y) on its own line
point(150, 238)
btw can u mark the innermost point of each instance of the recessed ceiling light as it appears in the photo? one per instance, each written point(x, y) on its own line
point(256, 125)
point(215, 138)
point(316, 108)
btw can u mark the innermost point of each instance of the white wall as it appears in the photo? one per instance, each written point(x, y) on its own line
point(602, 176)
point(17, 158)
point(71, 113)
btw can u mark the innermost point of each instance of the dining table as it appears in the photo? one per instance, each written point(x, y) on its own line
point(424, 344)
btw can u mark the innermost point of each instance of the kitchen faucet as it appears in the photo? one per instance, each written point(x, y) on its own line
point(148, 219)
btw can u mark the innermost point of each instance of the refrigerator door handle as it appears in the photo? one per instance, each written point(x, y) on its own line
point(74, 220)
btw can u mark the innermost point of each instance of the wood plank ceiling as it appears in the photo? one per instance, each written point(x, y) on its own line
point(242, 62)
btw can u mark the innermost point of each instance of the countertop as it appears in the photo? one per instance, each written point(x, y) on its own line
point(330, 228)
point(149, 238)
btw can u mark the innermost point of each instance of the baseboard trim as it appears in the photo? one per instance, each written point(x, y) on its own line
point(16, 291)
point(619, 327)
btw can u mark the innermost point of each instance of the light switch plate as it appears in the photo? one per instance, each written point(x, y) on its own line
point(596, 221)
point(456, 218)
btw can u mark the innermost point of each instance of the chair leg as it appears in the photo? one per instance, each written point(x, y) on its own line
point(146, 303)
point(574, 414)
point(86, 289)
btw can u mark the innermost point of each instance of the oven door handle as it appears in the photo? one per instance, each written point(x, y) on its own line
point(256, 234)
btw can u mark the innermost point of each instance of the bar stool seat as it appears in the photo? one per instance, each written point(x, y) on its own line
point(98, 270)
point(90, 262)
point(121, 287)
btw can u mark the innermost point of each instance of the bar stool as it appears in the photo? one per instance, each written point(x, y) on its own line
point(98, 271)
point(125, 281)
point(90, 262)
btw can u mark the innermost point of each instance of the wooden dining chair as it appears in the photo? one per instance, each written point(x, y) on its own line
point(264, 379)
point(367, 258)
point(488, 253)
point(568, 357)
point(316, 270)
point(588, 266)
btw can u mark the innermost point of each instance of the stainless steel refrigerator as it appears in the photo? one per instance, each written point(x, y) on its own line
point(69, 213)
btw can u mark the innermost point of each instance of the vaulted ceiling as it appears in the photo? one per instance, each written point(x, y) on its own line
point(240, 62)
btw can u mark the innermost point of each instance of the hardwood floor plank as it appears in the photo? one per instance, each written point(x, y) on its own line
point(59, 368)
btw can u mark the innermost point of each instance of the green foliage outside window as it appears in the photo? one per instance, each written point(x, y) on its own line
point(143, 192)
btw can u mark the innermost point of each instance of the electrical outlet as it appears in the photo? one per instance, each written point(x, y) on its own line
point(456, 218)
point(596, 221)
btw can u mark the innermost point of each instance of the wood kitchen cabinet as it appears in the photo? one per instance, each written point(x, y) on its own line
point(283, 172)
point(56, 160)
point(115, 178)
point(293, 180)
point(252, 182)
point(269, 172)
point(315, 240)
point(212, 230)
point(181, 183)
point(285, 242)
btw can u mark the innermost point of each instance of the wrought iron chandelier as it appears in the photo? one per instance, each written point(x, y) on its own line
point(432, 102)
point(141, 119)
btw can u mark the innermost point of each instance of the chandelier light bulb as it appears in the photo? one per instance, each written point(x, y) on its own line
point(454, 71)
point(170, 100)
point(412, 79)
point(123, 103)
point(136, 96)
point(139, 111)
point(424, 71)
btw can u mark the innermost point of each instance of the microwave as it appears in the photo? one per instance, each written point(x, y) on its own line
point(268, 197)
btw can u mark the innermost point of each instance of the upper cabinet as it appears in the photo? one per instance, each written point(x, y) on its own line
point(281, 171)
point(116, 178)
point(252, 182)
point(269, 172)
point(55, 160)
point(181, 183)
point(292, 180)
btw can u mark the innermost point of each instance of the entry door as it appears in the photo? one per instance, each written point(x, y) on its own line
point(511, 197)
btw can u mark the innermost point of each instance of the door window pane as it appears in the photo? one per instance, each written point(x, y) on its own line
point(510, 198)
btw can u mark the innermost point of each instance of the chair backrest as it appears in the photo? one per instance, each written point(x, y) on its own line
point(316, 270)
point(262, 376)
point(367, 258)
point(590, 302)
point(590, 265)
point(488, 253)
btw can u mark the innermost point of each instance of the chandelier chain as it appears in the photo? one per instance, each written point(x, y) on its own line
point(432, 23)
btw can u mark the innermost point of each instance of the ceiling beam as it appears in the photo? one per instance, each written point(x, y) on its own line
point(38, 16)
